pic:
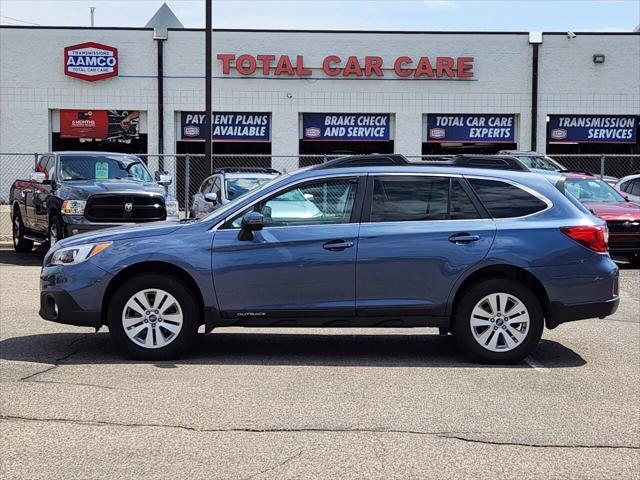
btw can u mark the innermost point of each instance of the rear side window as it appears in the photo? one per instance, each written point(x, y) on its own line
point(503, 200)
point(420, 198)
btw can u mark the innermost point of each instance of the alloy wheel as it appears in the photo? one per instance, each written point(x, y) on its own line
point(500, 322)
point(53, 235)
point(16, 230)
point(152, 318)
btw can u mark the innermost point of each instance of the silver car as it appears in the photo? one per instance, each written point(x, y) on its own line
point(629, 186)
point(226, 185)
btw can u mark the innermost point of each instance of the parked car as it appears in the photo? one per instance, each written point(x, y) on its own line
point(226, 185)
point(629, 186)
point(74, 192)
point(491, 255)
point(539, 161)
point(622, 216)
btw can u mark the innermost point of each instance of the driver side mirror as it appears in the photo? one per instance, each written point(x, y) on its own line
point(38, 177)
point(211, 197)
point(163, 178)
point(251, 222)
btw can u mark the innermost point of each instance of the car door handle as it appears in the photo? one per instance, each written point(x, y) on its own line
point(463, 238)
point(337, 245)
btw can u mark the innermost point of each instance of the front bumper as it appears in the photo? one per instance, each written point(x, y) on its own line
point(76, 224)
point(562, 313)
point(58, 306)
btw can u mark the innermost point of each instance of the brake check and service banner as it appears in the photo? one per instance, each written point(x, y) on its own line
point(227, 126)
point(444, 128)
point(593, 128)
point(364, 127)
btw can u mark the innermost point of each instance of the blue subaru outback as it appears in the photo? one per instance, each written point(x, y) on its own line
point(490, 255)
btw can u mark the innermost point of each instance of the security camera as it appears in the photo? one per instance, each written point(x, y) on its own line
point(571, 35)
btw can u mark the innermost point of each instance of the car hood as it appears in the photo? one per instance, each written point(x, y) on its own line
point(614, 210)
point(83, 189)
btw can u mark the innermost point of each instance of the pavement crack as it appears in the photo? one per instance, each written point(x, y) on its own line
point(57, 362)
point(444, 435)
point(276, 466)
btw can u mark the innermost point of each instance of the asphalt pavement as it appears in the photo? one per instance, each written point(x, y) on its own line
point(314, 403)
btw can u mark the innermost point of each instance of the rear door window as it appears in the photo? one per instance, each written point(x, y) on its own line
point(503, 200)
point(419, 198)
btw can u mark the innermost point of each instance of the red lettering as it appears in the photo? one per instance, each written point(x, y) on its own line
point(444, 65)
point(424, 68)
point(465, 67)
point(226, 58)
point(300, 70)
point(266, 61)
point(327, 68)
point(373, 65)
point(352, 67)
point(246, 69)
point(398, 64)
point(284, 66)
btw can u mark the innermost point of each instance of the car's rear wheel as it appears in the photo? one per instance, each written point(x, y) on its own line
point(498, 321)
point(153, 317)
point(20, 244)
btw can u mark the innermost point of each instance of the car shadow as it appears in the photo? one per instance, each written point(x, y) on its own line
point(277, 349)
point(32, 259)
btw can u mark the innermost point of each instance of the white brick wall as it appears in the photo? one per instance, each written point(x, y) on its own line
point(32, 81)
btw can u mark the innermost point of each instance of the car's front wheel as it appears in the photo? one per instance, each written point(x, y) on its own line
point(20, 244)
point(153, 317)
point(498, 321)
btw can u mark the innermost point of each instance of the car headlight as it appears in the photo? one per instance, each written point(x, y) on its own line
point(73, 207)
point(172, 208)
point(77, 254)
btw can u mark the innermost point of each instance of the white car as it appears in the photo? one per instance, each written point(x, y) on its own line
point(629, 186)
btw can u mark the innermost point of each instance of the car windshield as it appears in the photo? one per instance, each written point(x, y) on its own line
point(240, 186)
point(539, 162)
point(103, 167)
point(592, 190)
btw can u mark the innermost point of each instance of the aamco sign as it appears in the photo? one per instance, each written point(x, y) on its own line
point(91, 61)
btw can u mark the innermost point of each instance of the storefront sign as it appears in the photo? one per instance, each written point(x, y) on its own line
point(106, 125)
point(227, 126)
point(346, 126)
point(349, 67)
point(593, 129)
point(445, 128)
point(91, 61)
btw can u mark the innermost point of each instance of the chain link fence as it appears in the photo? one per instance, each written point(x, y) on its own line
point(190, 170)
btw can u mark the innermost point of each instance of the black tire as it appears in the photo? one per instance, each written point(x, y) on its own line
point(463, 330)
point(20, 244)
point(187, 302)
point(56, 228)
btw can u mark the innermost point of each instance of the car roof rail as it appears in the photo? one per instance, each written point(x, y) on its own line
point(224, 170)
point(372, 160)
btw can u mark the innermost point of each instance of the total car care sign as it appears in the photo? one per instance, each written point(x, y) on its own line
point(90, 61)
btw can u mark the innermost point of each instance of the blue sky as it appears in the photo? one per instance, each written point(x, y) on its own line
point(520, 15)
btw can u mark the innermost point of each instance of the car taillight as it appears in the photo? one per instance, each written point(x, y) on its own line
point(593, 237)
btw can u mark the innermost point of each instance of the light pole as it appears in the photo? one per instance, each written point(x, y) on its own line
point(208, 139)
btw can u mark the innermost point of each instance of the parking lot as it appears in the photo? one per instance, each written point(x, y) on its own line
point(286, 403)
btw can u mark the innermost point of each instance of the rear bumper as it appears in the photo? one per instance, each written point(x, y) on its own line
point(58, 306)
point(562, 313)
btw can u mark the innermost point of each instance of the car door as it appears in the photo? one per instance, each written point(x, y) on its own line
point(302, 263)
point(29, 194)
point(419, 233)
point(41, 194)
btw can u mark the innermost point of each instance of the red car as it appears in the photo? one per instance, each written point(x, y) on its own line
point(621, 215)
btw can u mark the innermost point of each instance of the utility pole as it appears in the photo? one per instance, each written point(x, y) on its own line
point(208, 52)
point(92, 10)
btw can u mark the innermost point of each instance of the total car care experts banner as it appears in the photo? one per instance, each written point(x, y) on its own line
point(227, 126)
point(593, 129)
point(472, 128)
point(364, 127)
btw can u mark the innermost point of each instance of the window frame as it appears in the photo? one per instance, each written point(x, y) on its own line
point(356, 211)
point(366, 210)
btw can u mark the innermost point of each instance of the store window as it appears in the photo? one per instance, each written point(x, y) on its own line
point(448, 134)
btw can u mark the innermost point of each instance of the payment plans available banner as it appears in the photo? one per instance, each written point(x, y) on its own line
point(472, 128)
point(361, 127)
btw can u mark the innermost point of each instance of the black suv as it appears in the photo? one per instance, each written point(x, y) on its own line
point(75, 192)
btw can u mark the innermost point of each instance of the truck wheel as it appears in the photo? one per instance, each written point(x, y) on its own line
point(20, 244)
point(153, 317)
point(498, 321)
point(56, 229)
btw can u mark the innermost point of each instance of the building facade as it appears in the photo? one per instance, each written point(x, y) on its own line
point(290, 93)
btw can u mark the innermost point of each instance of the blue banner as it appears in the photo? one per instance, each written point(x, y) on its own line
point(451, 127)
point(593, 129)
point(363, 127)
point(227, 126)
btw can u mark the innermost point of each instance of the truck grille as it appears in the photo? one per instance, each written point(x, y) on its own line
point(125, 208)
point(624, 227)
